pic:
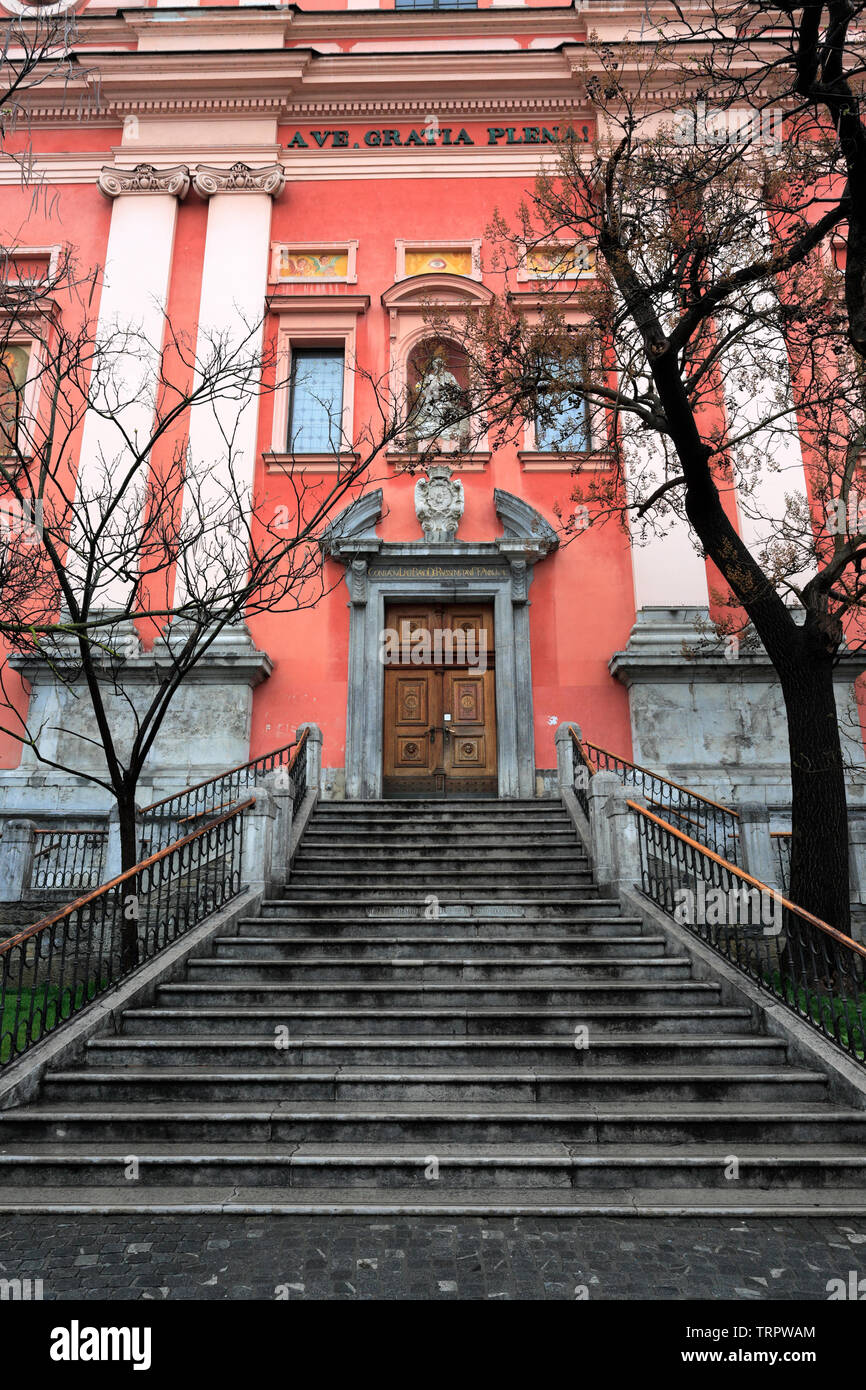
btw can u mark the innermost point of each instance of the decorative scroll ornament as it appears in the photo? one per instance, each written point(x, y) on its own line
point(240, 178)
point(144, 178)
point(439, 503)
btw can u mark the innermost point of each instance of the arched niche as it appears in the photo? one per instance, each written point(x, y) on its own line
point(413, 338)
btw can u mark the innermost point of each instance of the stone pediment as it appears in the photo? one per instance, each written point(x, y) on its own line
point(419, 290)
point(524, 527)
point(356, 522)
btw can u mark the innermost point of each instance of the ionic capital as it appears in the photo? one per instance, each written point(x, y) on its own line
point(144, 178)
point(239, 178)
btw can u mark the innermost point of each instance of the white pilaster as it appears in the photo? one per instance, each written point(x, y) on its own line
point(129, 331)
point(752, 398)
point(223, 432)
point(667, 567)
point(757, 390)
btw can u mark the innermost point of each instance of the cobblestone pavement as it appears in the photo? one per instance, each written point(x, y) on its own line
point(183, 1257)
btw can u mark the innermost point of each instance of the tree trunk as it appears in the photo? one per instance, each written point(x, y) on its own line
point(130, 904)
point(819, 811)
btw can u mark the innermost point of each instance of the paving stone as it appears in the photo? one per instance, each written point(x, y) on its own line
point(503, 1258)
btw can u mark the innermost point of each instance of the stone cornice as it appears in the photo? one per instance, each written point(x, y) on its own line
point(223, 67)
point(239, 178)
point(144, 178)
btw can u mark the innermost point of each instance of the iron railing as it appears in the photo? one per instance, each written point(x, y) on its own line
point(583, 769)
point(163, 822)
point(782, 845)
point(54, 969)
point(296, 769)
point(709, 822)
point(66, 859)
point(804, 963)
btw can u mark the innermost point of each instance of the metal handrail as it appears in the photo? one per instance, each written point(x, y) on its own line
point(809, 966)
point(65, 859)
point(747, 878)
point(46, 830)
point(717, 822)
point(165, 819)
point(52, 970)
point(657, 776)
point(229, 772)
point(121, 878)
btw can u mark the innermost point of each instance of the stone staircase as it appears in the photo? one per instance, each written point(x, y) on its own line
point(347, 1053)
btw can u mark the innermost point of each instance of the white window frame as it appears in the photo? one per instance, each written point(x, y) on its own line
point(444, 243)
point(527, 276)
point(339, 248)
point(311, 322)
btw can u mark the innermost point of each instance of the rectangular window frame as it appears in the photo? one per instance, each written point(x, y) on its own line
point(526, 275)
point(547, 449)
point(340, 248)
point(311, 321)
point(595, 458)
point(41, 313)
point(32, 386)
point(470, 244)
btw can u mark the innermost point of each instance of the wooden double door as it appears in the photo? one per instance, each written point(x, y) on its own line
point(440, 707)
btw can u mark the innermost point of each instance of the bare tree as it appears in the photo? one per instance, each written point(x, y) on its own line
point(149, 534)
point(36, 51)
point(709, 221)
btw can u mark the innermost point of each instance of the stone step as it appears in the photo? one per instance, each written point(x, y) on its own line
point(446, 822)
point(247, 1045)
point(265, 1079)
point(365, 864)
point(534, 1040)
point(438, 1024)
point(432, 827)
point(409, 881)
point(411, 1203)
point(725, 1123)
point(467, 890)
point(534, 929)
point(552, 1168)
point(467, 994)
point(408, 806)
point(322, 840)
point(383, 971)
point(480, 907)
point(523, 948)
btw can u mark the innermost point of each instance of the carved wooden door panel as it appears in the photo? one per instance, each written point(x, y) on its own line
point(470, 744)
point(440, 715)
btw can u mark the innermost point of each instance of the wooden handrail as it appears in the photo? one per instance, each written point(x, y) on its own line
point(747, 878)
point(121, 878)
point(728, 810)
point(583, 756)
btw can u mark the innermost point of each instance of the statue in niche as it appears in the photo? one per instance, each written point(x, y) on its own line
point(438, 412)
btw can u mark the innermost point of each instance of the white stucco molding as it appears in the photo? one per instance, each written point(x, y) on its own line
point(144, 178)
point(239, 178)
